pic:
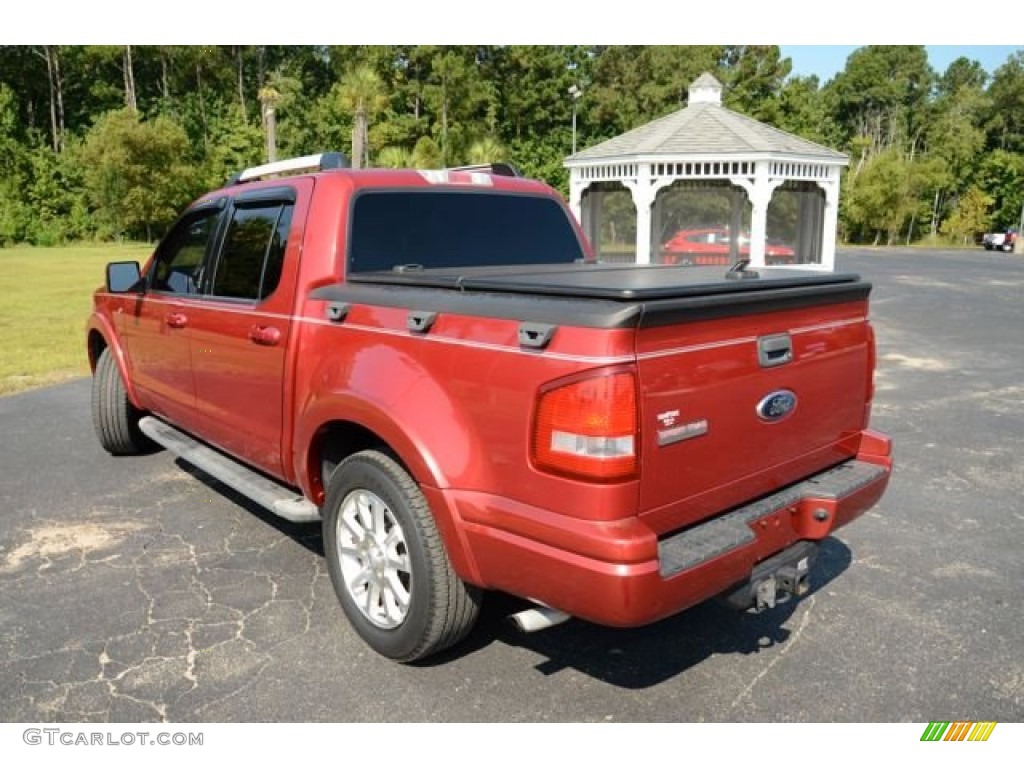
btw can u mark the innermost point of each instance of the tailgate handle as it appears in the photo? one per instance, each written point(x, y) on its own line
point(774, 350)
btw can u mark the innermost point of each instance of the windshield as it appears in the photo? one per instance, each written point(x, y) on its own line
point(456, 229)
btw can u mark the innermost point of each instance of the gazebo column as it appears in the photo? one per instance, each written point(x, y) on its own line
point(577, 186)
point(643, 197)
point(644, 190)
point(643, 230)
point(760, 193)
point(830, 220)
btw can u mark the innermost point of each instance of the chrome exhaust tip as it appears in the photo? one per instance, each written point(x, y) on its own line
point(537, 618)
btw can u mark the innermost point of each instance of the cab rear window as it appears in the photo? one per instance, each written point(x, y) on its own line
point(456, 229)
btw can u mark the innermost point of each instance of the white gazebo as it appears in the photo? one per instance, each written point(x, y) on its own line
point(708, 185)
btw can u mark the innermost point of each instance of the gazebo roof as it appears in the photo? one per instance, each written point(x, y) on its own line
point(704, 127)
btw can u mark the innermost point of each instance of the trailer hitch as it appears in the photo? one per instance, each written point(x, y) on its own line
point(775, 580)
point(779, 587)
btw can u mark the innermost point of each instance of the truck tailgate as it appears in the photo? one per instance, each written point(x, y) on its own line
point(733, 407)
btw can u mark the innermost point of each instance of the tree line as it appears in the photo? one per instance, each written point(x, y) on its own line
point(110, 142)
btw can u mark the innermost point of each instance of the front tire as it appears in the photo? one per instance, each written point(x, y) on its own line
point(114, 418)
point(388, 564)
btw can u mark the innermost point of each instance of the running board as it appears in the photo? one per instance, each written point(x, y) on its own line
point(279, 499)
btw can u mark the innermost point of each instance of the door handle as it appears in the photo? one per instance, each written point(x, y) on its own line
point(265, 335)
point(177, 320)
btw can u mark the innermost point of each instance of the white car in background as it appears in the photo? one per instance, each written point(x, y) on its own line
point(1000, 241)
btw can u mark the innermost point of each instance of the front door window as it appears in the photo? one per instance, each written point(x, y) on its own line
point(179, 262)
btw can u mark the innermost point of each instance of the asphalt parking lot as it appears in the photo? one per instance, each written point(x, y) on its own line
point(138, 590)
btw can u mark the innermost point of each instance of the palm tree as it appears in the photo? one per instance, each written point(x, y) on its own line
point(278, 92)
point(426, 153)
point(362, 92)
point(394, 157)
point(269, 96)
point(486, 150)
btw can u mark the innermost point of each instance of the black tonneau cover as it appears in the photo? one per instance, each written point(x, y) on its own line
point(618, 282)
point(595, 295)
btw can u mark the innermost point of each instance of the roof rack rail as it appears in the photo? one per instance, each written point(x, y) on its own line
point(322, 162)
point(498, 169)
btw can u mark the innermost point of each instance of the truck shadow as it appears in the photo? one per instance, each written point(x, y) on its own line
point(306, 534)
point(627, 658)
point(644, 657)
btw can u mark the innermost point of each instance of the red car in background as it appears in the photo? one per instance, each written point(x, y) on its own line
point(710, 247)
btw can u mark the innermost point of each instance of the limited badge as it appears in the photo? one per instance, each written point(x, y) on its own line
point(682, 432)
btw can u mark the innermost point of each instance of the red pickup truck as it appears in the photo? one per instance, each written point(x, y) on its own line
point(432, 365)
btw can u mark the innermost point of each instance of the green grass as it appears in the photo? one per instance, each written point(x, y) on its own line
point(45, 300)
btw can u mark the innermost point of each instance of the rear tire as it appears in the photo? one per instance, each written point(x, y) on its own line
point(114, 418)
point(388, 564)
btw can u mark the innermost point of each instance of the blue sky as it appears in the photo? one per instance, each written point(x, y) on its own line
point(826, 60)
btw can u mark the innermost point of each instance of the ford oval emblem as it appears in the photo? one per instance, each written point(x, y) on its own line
point(776, 406)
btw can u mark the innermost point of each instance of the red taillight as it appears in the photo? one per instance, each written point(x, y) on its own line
point(587, 428)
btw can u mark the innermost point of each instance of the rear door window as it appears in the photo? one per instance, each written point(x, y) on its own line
point(252, 257)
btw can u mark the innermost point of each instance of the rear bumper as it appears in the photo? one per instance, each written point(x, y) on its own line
point(620, 574)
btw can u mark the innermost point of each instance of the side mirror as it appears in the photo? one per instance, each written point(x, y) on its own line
point(124, 277)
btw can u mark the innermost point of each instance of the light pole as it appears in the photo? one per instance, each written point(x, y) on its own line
point(574, 92)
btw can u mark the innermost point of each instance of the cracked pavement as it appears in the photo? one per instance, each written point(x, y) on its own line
point(139, 590)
